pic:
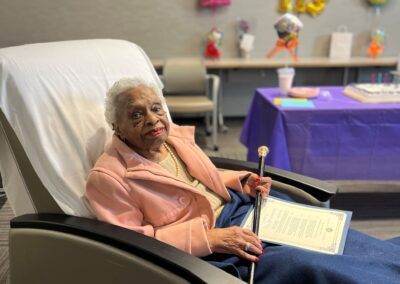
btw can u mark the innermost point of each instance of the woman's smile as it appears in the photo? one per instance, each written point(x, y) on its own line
point(156, 132)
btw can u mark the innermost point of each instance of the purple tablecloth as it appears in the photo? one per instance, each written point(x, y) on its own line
point(339, 138)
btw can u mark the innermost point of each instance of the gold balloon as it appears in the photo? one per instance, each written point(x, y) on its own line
point(316, 7)
point(301, 6)
point(285, 6)
point(377, 2)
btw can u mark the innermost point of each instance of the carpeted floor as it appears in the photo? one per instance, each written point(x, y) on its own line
point(375, 204)
point(5, 215)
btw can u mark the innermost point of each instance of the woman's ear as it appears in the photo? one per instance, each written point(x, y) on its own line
point(118, 132)
point(116, 129)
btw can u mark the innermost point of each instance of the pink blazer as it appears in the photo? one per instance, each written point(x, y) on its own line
point(130, 191)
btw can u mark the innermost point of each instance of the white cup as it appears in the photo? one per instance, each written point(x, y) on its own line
point(285, 78)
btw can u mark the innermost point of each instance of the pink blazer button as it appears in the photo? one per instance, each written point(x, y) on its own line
point(183, 200)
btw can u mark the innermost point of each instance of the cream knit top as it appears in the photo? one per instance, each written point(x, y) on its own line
point(217, 203)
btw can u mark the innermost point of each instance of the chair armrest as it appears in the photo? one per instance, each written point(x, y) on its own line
point(191, 268)
point(319, 189)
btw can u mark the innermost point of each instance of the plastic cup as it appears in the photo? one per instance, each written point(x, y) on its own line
point(285, 78)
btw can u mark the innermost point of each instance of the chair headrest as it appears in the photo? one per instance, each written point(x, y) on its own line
point(184, 75)
point(53, 96)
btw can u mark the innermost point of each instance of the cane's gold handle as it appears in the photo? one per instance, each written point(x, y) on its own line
point(263, 151)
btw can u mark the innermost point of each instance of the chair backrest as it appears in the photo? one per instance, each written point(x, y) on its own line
point(52, 98)
point(184, 75)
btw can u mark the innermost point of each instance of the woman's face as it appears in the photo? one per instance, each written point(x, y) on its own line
point(141, 121)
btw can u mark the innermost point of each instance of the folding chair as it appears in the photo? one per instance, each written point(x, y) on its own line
point(189, 89)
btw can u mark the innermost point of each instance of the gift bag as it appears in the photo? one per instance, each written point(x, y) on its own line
point(247, 42)
point(341, 42)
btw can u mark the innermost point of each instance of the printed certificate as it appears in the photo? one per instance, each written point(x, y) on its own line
point(313, 228)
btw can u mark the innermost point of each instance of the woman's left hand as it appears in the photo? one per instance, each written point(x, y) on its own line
point(254, 183)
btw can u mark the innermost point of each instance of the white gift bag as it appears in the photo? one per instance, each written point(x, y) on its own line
point(247, 42)
point(341, 42)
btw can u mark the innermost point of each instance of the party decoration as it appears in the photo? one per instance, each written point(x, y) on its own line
point(316, 7)
point(287, 28)
point(214, 3)
point(285, 6)
point(243, 26)
point(246, 40)
point(214, 42)
point(214, 35)
point(377, 2)
point(376, 45)
point(313, 8)
point(301, 6)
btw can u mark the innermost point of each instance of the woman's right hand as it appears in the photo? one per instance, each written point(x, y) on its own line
point(235, 240)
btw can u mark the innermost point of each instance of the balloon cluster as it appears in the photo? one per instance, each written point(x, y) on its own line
point(214, 42)
point(313, 8)
point(287, 28)
point(376, 45)
point(214, 36)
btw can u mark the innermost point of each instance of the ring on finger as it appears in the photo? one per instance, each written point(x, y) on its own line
point(247, 246)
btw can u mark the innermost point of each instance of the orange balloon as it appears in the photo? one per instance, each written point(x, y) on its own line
point(375, 49)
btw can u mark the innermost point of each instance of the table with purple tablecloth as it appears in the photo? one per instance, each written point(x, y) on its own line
point(338, 138)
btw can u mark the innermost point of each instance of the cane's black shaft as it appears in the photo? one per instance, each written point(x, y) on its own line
point(257, 205)
point(262, 153)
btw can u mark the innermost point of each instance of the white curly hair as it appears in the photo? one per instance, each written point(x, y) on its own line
point(120, 87)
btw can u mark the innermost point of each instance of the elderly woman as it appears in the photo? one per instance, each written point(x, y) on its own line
point(154, 179)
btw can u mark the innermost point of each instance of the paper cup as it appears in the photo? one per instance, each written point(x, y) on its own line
point(285, 78)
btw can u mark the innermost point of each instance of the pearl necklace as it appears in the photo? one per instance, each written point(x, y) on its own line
point(173, 158)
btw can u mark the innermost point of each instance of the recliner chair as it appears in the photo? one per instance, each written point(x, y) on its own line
point(52, 132)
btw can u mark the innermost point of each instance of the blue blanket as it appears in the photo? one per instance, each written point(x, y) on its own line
point(365, 259)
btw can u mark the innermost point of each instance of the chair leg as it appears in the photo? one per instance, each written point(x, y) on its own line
point(208, 126)
point(221, 124)
point(215, 128)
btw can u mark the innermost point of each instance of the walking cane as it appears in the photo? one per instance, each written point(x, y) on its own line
point(262, 153)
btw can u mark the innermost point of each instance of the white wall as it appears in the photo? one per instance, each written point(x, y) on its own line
point(178, 27)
